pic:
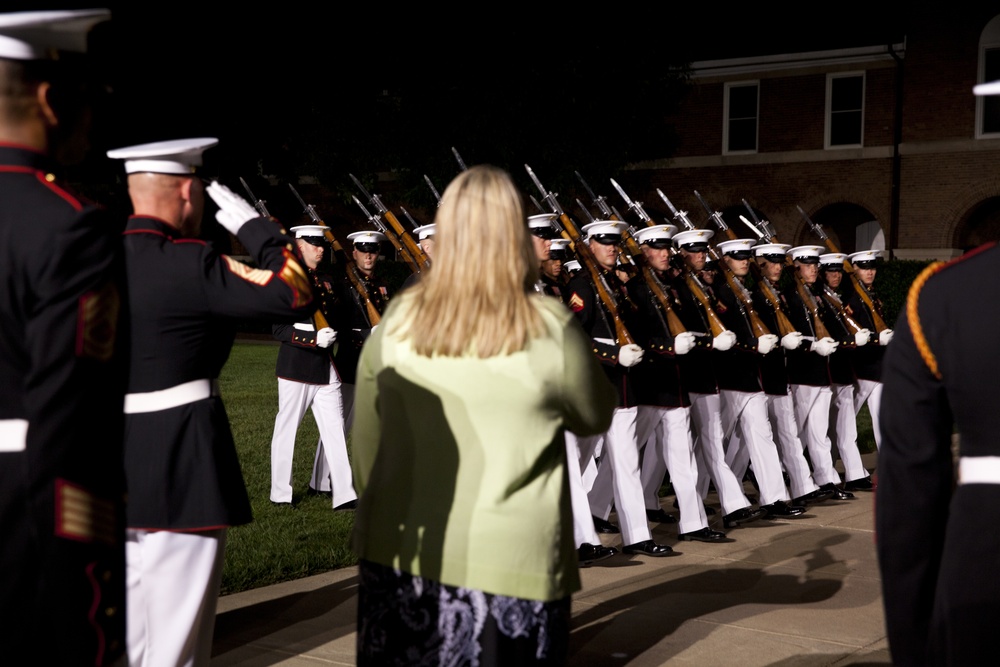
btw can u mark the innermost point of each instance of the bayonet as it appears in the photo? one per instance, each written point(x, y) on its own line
point(430, 184)
point(600, 202)
point(586, 212)
point(406, 214)
point(413, 252)
point(547, 197)
point(632, 205)
point(307, 208)
point(258, 204)
point(815, 227)
point(764, 225)
point(753, 227)
point(714, 215)
point(458, 158)
point(680, 216)
point(538, 205)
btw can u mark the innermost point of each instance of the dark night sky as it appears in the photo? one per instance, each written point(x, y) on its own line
point(296, 90)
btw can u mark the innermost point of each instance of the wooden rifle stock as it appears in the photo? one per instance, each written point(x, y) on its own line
point(674, 324)
point(841, 312)
point(785, 325)
point(374, 317)
point(757, 326)
point(590, 262)
point(862, 291)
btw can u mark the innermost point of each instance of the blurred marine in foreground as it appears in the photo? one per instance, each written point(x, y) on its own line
point(61, 383)
point(937, 542)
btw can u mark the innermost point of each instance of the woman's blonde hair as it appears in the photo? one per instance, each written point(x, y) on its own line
point(475, 298)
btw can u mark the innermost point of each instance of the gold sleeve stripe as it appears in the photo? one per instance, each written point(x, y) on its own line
point(913, 317)
point(82, 516)
point(293, 275)
point(255, 276)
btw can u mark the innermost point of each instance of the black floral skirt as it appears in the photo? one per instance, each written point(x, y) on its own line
point(408, 620)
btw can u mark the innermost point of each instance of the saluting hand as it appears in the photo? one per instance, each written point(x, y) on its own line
point(234, 211)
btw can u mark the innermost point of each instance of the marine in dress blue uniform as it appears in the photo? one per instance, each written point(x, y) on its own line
point(184, 481)
point(62, 374)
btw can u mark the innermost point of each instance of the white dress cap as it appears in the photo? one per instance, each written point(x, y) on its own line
point(771, 249)
point(835, 258)
point(604, 228)
point(865, 256)
point(366, 237)
point(655, 233)
point(425, 231)
point(39, 35)
point(572, 265)
point(693, 237)
point(989, 88)
point(736, 246)
point(308, 230)
point(806, 253)
point(179, 156)
point(559, 244)
point(542, 220)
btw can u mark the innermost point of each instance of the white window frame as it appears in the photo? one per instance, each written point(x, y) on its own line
point(725, 119)
point(989, 39)
point(829, 108)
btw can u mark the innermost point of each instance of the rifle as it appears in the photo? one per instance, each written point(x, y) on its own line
point(569, 229)
point(670, 320)
point(389, 234)
point(416, 253)
point(757, 326)
point(805, 294)
point(458, 158)
point(695, 286)
point(351, 269)
point(862, 291)
point(785, 325)
point(258, 204)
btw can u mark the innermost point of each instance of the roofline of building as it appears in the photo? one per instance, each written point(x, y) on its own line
point(704, 69)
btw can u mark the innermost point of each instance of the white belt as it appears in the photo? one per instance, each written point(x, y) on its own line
point(979, 470)
point(13, 435)
point(303, 326)
point(605, 341)
point(163, 399)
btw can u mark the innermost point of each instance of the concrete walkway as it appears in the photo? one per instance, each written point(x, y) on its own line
point(802, 591)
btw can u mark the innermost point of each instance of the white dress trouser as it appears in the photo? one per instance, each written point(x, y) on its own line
point(711, 456)
point(781, 411)
point(871, 391)
point(618, 477)
point(812, 416)
point(667, 434)
point(321, 477)
point(845, 431)
point(172, 581)
point(745, 426)
point(583, 523)
point(294, 398)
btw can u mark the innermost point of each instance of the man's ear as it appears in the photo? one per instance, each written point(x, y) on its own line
point(185, 190)
point(44, 96)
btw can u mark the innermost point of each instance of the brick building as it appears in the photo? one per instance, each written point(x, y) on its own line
point(882, 142)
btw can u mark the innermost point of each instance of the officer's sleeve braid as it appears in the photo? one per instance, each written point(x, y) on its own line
point(913, 317)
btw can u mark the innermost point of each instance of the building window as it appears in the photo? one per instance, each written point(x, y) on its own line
point(988, 107)
point(740, 127)
point(845, 109)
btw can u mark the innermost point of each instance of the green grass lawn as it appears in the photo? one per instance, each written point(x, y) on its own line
point(281, 543)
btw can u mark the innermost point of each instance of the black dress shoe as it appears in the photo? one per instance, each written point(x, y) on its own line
point(659, 516)
point(742, 516)
point(863, 484)
point(781, 508)
point(349, 505)
point(604, 526)
point(838, 494)
point(705, 535)
point(591, 553)
point(649, 548)
point(813, 497)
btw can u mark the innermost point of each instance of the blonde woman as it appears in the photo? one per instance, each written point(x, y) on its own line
point(464, 527)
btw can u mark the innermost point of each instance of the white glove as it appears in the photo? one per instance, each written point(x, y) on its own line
point(325, 337)
point(766, 343)
point(791, 341)
point(234, 211)
point(629, 355)
point(824, 347)
point(885, 336)
point(724, 341)
point(684, 342)
point(862, 337)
